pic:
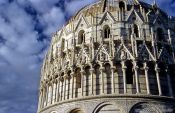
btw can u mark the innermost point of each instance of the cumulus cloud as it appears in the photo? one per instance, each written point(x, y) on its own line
point(25, 30)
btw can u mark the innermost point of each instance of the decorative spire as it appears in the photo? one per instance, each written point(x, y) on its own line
point(155, 3)
point(136, 1)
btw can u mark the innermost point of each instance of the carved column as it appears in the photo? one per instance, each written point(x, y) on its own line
point(124, 76)
point(102, 80)
point(136, 77)
point(157, 69)
point(147, 78)
point(40, 99)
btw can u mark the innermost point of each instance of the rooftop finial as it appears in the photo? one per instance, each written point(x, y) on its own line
point(155, 3)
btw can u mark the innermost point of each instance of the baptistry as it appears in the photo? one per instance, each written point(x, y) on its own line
point(112, 56)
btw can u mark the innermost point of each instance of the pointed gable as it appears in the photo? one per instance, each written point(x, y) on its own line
point(107, 16)
point(82, 22)
point(138, 16)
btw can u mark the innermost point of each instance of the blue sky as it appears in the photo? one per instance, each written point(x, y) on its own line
point(26, 27)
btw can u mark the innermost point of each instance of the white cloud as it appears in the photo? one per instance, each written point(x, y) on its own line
point(53, 19)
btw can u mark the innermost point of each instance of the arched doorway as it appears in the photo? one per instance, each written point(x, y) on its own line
point(77, 111)
point(107, 108)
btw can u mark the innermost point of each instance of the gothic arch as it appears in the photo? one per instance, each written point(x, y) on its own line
point(106, 107)
point(144, 108)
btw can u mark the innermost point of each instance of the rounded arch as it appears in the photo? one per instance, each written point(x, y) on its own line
point(77, 110)
point(108, 78)
point(78, 81)
point(97, 79)
point(87, 79)
point(81, 36)
point(144, 108)
point(106, 31)
point(107, 107)
point(122, 5)
point(129, 72)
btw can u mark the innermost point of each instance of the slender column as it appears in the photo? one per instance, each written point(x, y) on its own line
point(124, 77)
point(82, 82)
point(56, 87)
point(112, 79)
point(51, 94)
point(46, 95)
point(42, 100)
point(58, 90)
point(147, 79)
point(169, 83)
point(92, 84)
point(61, 98)
point(102, 80)
point(54, 92)
point(72, 83)
point(158, 79)
point(136, 77)
point(64, 96)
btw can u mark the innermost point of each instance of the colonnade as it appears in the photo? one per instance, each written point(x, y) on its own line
point(126, 77)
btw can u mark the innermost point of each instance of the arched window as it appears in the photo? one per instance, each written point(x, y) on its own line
point(68, 88)
point(62, 44)
point(108, 78)
point(129, 72)
point(160, 34)
point(87, 82)
point(78, 81)
point(122, 5)
point(106, 31)
point(97, 79)
point(81, 37)
point(136, 30)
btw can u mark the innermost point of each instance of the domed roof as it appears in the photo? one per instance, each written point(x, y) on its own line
point(113, 5)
